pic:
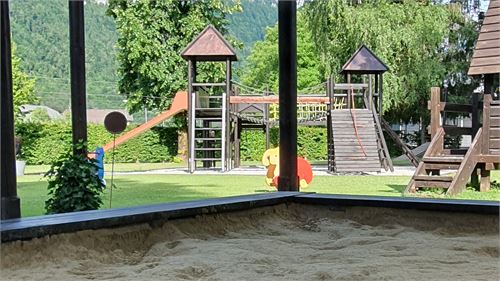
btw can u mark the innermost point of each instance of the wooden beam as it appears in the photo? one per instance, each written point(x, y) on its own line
point(487, 121)
point(487, 158)
point(10, 203)
point(275, 99)
point(435, 110)
point(485, 179)
point(287, 33)
point(467, 168)
point(457, 131)
point(77, 69)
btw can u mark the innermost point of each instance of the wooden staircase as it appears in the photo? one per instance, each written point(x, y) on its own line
point(478, 160)
point(355, 145)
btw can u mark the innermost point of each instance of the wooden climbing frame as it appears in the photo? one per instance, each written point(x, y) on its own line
point(476, 162)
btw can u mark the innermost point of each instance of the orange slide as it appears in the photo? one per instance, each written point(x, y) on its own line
point(179, 104)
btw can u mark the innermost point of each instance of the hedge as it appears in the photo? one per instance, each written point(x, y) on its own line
point(311, 143)
point(43, 143)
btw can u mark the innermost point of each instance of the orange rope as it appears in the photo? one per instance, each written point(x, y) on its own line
point(353, 115)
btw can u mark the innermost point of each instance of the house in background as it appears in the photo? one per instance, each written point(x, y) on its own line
point(28, 110)
point(97, 116)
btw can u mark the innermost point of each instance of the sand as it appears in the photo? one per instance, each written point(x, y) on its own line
point(286, 242)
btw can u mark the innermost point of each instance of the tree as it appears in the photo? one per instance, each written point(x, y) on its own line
point(151, 36)
point(250, 25)
point(40, 30)
point(22, 85)
point(407, 35)
point(261, 69)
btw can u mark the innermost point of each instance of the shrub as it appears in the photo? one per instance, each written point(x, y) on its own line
point(73, 185)
point(44, 143)
point(311, 143)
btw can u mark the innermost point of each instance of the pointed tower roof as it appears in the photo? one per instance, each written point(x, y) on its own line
point(209, 45)
point(486, 57)
point(364, 61)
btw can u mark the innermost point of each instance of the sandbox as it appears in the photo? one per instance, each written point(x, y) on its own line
point(278, 240)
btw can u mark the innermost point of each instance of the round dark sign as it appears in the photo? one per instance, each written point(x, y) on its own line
point(115, 122)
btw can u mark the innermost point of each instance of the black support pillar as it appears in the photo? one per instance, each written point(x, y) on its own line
point(77, 60)
point(10, 207)
point(287, 25)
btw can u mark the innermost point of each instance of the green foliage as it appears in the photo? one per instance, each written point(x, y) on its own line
point(408, 36)
point(43, 143)
point(151, 36)
point(73, 185)
point(40, 29)
point(261, 68)
point(311, 143)
point(22, 85)
point(249, 26)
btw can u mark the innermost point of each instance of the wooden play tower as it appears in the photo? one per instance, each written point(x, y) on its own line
point(208, 114)
point(356, 140)
point(483, 155)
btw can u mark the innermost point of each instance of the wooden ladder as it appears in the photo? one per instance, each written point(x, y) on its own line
point(483, 155)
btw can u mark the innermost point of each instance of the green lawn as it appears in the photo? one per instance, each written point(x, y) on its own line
point(134, 190)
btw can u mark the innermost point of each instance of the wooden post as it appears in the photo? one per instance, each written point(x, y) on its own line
point(287, 38)
point(349, 94)
point(475, 114)
point(329, 107)
point(227, 125)
point(370, 91)
point(77, 61)
point(191, 144)
point(485, 142)
point(266, 120)
point(485, 179)
point(10, 203)
point(377, 90)
point(435, 110)
point(380, 98)
point(486, 114)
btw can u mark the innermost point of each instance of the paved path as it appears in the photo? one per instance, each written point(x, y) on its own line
point(261, 171)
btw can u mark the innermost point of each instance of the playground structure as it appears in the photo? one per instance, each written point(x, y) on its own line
point(483, 155)
point(218, 111)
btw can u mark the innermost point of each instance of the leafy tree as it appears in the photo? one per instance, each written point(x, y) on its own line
point(407, 35)
point(250, 25)
point(22, 85)
point(261, 68)
point(151, 36)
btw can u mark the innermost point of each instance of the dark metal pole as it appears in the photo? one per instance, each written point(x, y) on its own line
point(10, 202)
point(287, 18)
point(77, 60)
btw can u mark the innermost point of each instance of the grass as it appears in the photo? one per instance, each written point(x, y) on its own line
point(135, 190)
